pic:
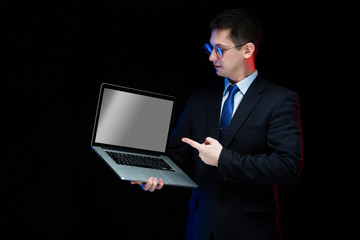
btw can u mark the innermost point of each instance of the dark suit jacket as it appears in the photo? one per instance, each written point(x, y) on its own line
point(262, 149)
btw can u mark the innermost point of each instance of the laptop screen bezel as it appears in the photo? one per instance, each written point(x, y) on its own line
point(135, 91)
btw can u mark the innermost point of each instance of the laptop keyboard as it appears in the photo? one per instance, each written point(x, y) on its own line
point(139, 161)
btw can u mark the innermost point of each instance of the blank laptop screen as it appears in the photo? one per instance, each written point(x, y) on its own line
point(133, 120)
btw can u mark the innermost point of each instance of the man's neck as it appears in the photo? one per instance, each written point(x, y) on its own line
point(244, 71)
point(242, 75)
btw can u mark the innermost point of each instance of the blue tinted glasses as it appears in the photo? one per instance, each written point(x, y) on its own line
point(219, 52)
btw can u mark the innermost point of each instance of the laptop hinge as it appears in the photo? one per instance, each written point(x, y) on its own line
point(157, 154)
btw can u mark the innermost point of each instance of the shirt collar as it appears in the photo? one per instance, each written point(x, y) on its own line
point(244, 84)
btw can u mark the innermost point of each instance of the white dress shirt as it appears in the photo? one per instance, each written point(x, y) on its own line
point(243, 85)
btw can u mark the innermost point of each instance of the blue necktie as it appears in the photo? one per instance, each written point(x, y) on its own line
point(227, 111)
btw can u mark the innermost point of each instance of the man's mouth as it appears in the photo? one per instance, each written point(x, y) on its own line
point(217, 67)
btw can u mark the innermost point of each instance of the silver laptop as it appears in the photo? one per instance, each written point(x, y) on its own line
point(131, 132)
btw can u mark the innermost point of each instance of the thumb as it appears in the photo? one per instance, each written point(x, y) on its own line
point(210, 140)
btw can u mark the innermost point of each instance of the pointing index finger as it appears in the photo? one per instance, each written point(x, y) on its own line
point(192, 143)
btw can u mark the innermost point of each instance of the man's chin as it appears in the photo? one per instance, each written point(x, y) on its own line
point(220, 73)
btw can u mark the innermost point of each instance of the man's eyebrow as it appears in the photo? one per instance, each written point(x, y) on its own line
point(218, 45)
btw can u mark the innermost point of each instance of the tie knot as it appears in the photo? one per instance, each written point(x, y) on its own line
point(233, 89)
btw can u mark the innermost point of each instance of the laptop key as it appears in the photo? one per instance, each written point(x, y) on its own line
point(139, 161)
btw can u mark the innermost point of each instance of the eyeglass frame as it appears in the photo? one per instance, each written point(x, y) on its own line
point(220, 55)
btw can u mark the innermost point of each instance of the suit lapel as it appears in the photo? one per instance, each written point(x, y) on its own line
point(249, 101)
point(213, 109)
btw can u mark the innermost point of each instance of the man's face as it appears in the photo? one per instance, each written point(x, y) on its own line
point(232, 61)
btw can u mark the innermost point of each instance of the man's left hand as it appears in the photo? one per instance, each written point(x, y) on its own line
point(209, 151)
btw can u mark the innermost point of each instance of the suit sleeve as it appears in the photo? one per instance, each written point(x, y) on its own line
point(282, 162)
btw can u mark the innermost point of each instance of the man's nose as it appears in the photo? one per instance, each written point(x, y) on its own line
point(213, 56)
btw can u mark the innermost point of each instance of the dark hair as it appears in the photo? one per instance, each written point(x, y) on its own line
point(243, 24)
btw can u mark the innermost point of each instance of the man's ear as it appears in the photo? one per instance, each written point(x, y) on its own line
point(249, 49)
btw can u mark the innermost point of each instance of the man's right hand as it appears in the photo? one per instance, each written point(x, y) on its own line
point(151, 185)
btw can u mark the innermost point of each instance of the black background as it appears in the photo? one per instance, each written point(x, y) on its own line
point(56, 55)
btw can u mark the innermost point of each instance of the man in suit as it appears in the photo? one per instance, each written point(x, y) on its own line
point(237, 165)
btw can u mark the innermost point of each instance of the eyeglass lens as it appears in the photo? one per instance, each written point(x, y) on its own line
point(209, 49)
